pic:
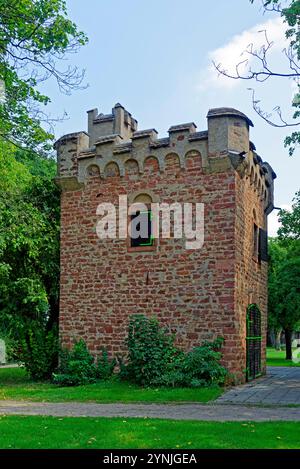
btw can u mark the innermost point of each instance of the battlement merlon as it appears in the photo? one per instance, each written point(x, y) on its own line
point(228, 129)
point(119, 122)
point(114, 138)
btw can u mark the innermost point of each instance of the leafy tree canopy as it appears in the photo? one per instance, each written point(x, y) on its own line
point(284, 287)
point(290, 221)
point(29, 240)
point(35, 38)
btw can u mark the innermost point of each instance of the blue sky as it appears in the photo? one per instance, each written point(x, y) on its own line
point(155, 59)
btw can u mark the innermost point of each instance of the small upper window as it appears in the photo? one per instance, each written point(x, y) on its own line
point(263, 245)
point(260, 244)
point(255, 241)
point(141, 225)
point(141, 229)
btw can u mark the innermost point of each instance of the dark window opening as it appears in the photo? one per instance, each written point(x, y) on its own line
point(263, 246)
point(255, 241)
point(141, 229)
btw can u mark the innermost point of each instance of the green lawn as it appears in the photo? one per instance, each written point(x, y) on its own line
point(277, 358)
point(14, 384)
point(73, 432)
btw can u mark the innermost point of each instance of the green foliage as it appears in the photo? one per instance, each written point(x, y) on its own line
point(284, 271)
point(150, 350)
point(199, 367)
point(39, 351)
point(293, 141)
point(35, 37)
point(37, 165)
point(76, 367)
point(288, 292)
point(277, 254)
point(29, 241)
point(14, 176)
point(290, 221)
point(154, 360)
point(79, 367)
point(105, 366)
point(284, 286)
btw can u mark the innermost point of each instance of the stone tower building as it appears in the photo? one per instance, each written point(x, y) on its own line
point(198, 293)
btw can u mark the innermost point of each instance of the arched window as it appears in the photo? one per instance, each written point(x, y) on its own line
point(141, 224)
point(253, 340)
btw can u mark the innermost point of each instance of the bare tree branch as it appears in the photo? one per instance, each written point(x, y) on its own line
point(244, 70)
point(267, 116)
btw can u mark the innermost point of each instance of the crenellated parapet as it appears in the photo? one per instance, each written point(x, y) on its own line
point(114, 145)
point(68, 149)
point(261, 176)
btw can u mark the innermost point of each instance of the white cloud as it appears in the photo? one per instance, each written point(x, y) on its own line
point(273, 223)
point(234, 52)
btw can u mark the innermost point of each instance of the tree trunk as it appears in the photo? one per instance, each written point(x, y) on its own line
point(271, 338)
point(277, 340)
point(288, 344)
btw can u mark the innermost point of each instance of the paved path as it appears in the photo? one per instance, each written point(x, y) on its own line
point(280, 386)
point(10, 365)
point(176, 412)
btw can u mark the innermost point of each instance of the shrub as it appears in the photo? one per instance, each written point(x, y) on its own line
point(79, 367)
point(199, 367)
point(38, 351)
point(150, 350)
point(76, 366)
point(105, 366)
point(202, 365)
point(154, 360)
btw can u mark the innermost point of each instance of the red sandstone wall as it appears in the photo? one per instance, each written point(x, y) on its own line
point(190, 291)
point(251, 276)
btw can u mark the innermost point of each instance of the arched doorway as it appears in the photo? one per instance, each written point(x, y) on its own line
point(253, 341)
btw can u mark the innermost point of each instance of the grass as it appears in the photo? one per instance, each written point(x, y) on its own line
point(22, 432)
point(15, 385)
point(277, 358)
